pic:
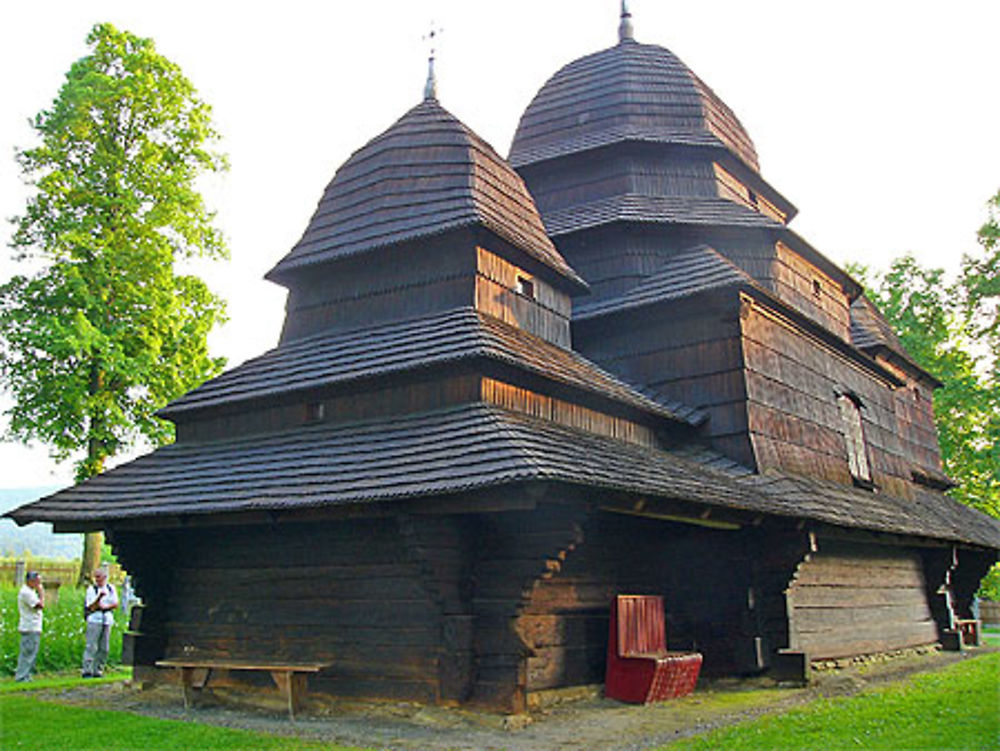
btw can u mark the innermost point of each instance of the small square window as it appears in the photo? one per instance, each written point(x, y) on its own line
point(315, 412)
point(817, 288)
point(526, 287)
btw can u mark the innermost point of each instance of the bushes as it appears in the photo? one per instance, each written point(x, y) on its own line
point(62, 633)
point(990, 587)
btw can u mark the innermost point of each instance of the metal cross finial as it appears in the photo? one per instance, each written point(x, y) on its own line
point(430, 88)
point(625, 29)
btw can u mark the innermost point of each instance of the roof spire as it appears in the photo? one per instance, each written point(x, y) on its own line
point(430, 88)
point(625, 30)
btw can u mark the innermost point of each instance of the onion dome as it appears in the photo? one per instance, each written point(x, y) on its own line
point(629, 92)
point(426, 175)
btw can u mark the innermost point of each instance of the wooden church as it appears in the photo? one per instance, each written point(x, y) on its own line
point(507, 391)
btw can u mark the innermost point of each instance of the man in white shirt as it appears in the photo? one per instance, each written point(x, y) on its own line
point(99, 603)
point(30, 603)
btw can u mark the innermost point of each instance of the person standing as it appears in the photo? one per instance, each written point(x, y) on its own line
point(30, 603)
point(99, 604)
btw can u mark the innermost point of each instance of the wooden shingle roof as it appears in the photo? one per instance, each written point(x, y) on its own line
point(929, 514)
point(444, 451)
point(464, 449)
point(426, 175)
point(633, 207)
point(871, 333)
point(689, 272)
point(629, 92)
point(434, 341)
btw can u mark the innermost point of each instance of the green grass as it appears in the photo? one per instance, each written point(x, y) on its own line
point(63, 631)
point(29, 723)
point(953, 709)
point(991, 637)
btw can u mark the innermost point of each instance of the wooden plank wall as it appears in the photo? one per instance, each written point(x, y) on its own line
point(914, 407)
point(545, 314)
point(796, 283)
point(696, 360)
point(655, 171)
point(350, 593)
point(399, 282)
point(792, 383)
point(731, 188)
point(414, 396)
point(566, 413)
point(614, 260)
point(854, 598)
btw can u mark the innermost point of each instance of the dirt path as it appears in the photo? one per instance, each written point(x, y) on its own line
point(583, 722)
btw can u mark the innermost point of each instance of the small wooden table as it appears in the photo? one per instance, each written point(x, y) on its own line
point(290, 677)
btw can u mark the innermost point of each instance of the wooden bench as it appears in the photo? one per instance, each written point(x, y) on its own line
point(289, 677)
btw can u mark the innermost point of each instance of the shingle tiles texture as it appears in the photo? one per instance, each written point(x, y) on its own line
point(629, 92)
point(689, 272)
point(869, 329)
point(426, 175)
point(634, 207)
point(464, 449)
point(437, 340)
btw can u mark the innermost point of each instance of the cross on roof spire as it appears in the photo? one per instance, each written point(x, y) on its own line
point(625, 30)
point(430, 88)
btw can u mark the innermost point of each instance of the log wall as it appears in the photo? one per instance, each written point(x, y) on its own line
point(354, 594)
point(852, 598)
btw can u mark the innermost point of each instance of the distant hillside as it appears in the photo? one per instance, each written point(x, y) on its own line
point(37, 539)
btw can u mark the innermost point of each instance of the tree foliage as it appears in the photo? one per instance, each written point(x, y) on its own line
point(101, 329)
point(952, 330)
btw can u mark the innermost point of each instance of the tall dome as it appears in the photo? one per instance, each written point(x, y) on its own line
point(426, 175)
point(629, 92)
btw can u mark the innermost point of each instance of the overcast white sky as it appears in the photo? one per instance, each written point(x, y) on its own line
point(877, 119)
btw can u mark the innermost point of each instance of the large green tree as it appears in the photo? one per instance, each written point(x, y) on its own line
point(100, 328)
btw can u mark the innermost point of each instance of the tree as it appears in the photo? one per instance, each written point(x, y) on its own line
point(103, 330)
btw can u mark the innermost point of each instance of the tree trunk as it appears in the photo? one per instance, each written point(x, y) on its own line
point(91, 558)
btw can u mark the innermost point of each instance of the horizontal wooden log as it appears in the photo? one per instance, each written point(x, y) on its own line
point(858, 597)
point(829, 618)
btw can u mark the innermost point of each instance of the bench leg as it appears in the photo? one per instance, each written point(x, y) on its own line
point(293, 686)
point(192, 678)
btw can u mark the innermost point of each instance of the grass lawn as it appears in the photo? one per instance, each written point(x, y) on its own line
point(29, 723)
point(953, 709)
point(991, 636)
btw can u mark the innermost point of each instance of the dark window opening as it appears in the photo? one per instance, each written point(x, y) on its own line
point(526, 287)
point(752, 197)
point(817, 288)
point(315, 412)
